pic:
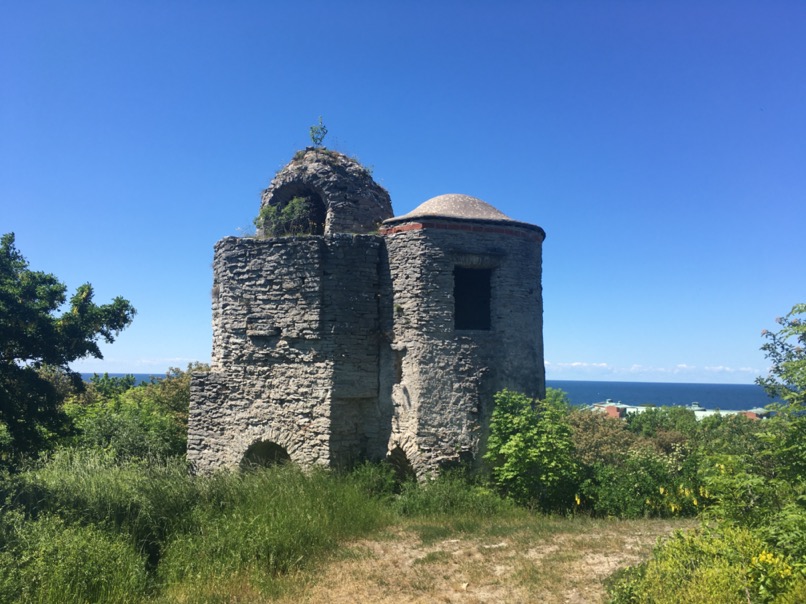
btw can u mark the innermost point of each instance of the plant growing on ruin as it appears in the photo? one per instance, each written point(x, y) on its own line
point(318, 133)
point(294, 218)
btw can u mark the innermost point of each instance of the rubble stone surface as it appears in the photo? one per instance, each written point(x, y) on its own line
point(345, 346)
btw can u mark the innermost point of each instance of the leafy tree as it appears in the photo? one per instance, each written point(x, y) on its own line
point(786, 349)
point(33, 336)
point(599, 438)
point(149, 420)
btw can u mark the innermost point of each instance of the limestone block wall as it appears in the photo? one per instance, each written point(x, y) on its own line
point(441, 379)
point(350, 321)
point(295, 353)
point(344, 347)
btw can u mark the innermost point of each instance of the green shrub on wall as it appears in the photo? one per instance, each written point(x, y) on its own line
point(294, 218)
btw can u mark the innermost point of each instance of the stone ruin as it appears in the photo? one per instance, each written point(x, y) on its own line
point(370, 337)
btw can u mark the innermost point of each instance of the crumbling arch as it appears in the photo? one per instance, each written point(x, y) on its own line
point(311, 221)
point(399, 461)
point(264, 453)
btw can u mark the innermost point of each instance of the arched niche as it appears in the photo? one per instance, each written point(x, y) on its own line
point(290, 219)
point(264, 453)
point(398, 459)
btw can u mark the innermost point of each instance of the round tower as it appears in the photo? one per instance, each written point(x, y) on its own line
point(467, 321)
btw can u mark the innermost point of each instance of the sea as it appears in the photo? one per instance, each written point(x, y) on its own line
point(735, 397)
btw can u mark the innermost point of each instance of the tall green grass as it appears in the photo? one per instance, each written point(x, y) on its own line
point(49, 560)
point(266, 523)
point(83, 527)
point(144, 500)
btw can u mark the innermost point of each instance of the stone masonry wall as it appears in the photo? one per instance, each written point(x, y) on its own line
point(344, 347)
point(441, 391)
point(295, 324)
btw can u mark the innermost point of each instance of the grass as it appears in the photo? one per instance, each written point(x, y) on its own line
point(83, 527)
point(515, 557)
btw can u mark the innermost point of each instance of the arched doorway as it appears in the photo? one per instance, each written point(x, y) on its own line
point(264, 453)
point(401, 464)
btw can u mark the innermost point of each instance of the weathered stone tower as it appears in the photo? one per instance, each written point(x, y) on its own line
point(372, 336)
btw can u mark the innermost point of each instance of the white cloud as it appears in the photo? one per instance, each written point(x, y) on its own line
point(680, 372)
point(577, 365)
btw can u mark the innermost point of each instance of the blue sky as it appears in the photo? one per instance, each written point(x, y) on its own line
point(661, 145)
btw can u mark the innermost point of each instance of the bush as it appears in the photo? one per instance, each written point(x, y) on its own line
point(294, 218)
point(646, 483)
point(127, 428)
point(531, 450)
point(147, 421)
point(725, 566)
point(601, 439)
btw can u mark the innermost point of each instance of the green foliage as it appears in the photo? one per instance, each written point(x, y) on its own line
point(266, 522)
point(171, 393)
point(64, 563)
point(294, 218)
point(449, 494)
point(167, 525)
point(727, 566)
point(786, 350)
point(127, 428)
point(149, 420)
point(644, 483)
point(666, 426)
point(107, 386)
point(753, 494)
point(144, 500)
point(601, 439)
point(730, 435)
point(531, 450)
point(318, 133)
point(376, 480)
point(32, 336)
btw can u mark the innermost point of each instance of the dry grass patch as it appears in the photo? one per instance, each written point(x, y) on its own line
point(516, 559)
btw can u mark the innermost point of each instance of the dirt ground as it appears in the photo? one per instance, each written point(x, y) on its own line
point(563, 563)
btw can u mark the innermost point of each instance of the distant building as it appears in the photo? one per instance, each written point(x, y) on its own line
point(372, 336)
point(620, 410)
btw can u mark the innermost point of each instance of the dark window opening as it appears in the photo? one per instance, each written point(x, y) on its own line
point(472, 293)
point(264, 453)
